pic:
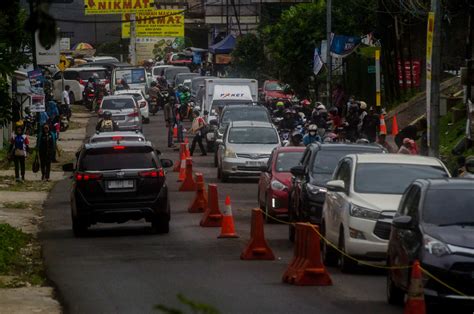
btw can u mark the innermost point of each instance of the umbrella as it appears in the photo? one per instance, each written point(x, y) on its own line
point(82, 46)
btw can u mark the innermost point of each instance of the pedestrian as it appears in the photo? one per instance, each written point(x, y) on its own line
point(382, 142)
point(409, 131)
point(370, 124)
point(65, 96)
point(196, 129)
point(46, 150)
point(19, 149)
point(312, 136)
point(406, 147)
point(335, 118)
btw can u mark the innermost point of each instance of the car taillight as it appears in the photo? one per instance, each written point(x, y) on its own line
point(119, 147)
point(82, 176)
point(133, 114)
point(82, 82)
point(152, 173)
point(142, 104)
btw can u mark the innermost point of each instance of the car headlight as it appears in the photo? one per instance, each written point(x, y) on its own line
point(314, 189)
point(277, 185)
point(435, 247)
point(229, 153)
point(365, 213)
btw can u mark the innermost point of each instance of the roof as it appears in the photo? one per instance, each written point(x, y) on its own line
point(128, 91)
point(118, 133)
point(346, 146)
point(118, 97)
point(397, 159)
point(122, 143)
point(248, 106)
point(258, 124)
point(290, 149)
point(448, 184)
point(86, 69)
point(226, 45)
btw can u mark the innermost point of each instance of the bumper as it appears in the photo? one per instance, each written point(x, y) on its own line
point(242, 166)
point(145, 112)
point(278, 203)
point(362, 242)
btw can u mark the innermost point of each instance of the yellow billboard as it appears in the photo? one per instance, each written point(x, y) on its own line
point(156, 23)
point(117, 6)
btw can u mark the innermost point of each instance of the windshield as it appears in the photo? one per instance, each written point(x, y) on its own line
point(382, 178)
point(446, 207)
point(135, 95)
point(131, 76)
point(85, 75)
point(287, 160)
point(274, 86)
point(244, 115)
point(252, 135)
point(113, 160)
point(103, 139)
point(117, 104)
point(157, 71)
point(185, 76)
point(218, 105)
point(170, 73)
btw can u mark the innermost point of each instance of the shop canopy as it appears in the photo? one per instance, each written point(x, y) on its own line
point(226, 45)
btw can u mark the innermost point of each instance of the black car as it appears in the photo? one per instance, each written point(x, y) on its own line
point(435, 225)
point(308, 190)
point(117, 182)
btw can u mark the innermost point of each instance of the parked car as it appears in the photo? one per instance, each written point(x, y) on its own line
point(362, 199)
point(127, 136)
point(308, 190)
point(245, 149)
point(125, 111)
point(274, 184)
point(181, 77)
point(117, 182)
point(274, 91)
point(77, 79)
point(140, 99)
point(170, 73)
point(434, 224)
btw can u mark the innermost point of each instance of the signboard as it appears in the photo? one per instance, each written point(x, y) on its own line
point(93, 7)
point(429, 53)
point(415, 69)
point(45, 56)
point(156, 23)
point(157, 47)
point(36, 81)
point(371, 69)
point(65, 43)
point(223, 59)
point(37, 103)
point(63, 63)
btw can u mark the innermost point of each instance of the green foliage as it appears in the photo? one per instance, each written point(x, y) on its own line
point(195, 307)
point(248, 56)
point(11, 242)
point(5, 102)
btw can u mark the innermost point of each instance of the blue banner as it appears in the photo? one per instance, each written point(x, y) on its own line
point(344, 45)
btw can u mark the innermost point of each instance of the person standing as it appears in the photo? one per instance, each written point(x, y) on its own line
point(19, 148)
point(196, 129)
point(46, 150)
point(65, 96)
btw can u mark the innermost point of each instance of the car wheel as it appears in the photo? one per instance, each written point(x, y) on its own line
point(395, 295)
point(160, 224)
point(79, 227)
point(328, 252)
point(346, 264)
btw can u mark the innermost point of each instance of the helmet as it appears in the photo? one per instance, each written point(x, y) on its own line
point(107, 115)
point(287, 111)
point(363, 105)
point(320, 106)
point(153, 84)
point(333, 110)
point(297, 136)
point(312, 127)
point(280, 104)
point(19, 123)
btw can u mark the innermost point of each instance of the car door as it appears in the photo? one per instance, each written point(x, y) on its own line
point(298, 186)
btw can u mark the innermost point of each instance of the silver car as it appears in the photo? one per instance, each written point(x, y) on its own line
point(125, 112)
point(117, 136)
point(245, 148)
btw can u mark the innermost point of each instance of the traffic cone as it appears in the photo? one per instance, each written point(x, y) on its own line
point(257, 248)
point(182, 169)
point(188, 183)
point(394, 126)
point(177, 165)
point(212, 216)
point(186, 142)
point(382, 126)
point(199, 204)
point(227, 226)
point(175, 132)
point(415, 298)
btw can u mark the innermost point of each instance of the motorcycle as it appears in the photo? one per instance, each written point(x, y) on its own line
point(63, 123)
point(89, 97)
point(65, 111)
point(153, 105)
point(284, 136)
point(29, 124)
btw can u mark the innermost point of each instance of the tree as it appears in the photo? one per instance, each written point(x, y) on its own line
point(248, 56)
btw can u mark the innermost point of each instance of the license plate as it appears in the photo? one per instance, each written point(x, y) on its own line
point(120, 184)
point(254, 163)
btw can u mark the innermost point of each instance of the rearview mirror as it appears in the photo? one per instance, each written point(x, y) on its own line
point(166, 163)
point(297, 171)
point(336, 186)
point(403, 222)
point(68, 167)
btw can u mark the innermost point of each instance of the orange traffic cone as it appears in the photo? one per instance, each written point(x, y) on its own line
point(212, 215)
point(175, 132)
point(199, 204)
point(382, 126)
point(416, 301)
point(227, 227)
point(186, 142)
point(177, 165)
point(258, 247)
point(182, 169)
point(188, 183)
point(394, 126)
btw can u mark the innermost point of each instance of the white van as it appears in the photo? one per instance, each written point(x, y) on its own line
point(135, 77)
point(77, 79)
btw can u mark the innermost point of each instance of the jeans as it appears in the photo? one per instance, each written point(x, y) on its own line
point(197, 138)
point(19, 164)
point(45, 163)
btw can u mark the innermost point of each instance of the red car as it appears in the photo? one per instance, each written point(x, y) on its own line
point(274, 91)
point(180, 59)
point(275, 182)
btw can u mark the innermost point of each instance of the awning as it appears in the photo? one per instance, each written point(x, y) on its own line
point(226, 45)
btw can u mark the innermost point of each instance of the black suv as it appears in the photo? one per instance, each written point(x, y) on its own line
point(308, 190)
point(117, 182)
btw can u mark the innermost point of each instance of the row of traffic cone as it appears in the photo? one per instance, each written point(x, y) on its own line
point(383, 126)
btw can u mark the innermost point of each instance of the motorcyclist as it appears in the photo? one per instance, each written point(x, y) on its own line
point(178, 92)
point(320, 117)
point(153, 90)
point(352, 122)
point(312, 135)
point(280, 109)
point(106, 124)
point(288, 121)
point(162, 83)
point(296, 139)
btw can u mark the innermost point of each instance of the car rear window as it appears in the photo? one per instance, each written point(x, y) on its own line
point(135, 96)
point(111, 159)
point(103, 139)
point(131, 76)
point(244, 114)
point(253, 135)
point(71, 75)
point(85, 75)
point(287, 160)
point(118, 104)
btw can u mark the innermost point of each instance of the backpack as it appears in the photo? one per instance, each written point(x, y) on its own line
point(107, 126)
point(19, 142)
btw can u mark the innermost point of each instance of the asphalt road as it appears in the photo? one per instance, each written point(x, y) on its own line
point(126, 269)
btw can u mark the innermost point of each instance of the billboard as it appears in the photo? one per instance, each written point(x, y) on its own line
point(157, 47)
point(156, 23)
point(93, 7)
point(46, 56)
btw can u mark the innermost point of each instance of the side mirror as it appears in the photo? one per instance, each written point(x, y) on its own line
point(336, 186)
point(166, 163)
point(297, 171)
point(403, 222)
point(68, 167)
point(158, 152)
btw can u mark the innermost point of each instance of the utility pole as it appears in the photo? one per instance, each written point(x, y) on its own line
point(433, 62)
point(328, 51)
point(469, 40)
point(33, 41)
point(133, 39)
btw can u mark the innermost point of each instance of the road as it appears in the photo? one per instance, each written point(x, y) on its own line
point(126, 269)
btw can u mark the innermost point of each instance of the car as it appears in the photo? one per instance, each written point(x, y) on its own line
point(234, 113)
point(308, 190)
point(101, 59)
point(180, 58)
point(108, 65)
point(125, 111)
point(77, 79)
point(181, 77)
point(140, 99)
point(135, 77)
point(274, 184)
point(362, 199)
point(157, 70)
point(118, 182)
point(245, 148)
point(128, 136)
point(170, 73)
point(434, 224)
point(274, 91)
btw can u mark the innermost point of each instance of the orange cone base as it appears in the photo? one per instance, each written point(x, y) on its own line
point(188, 185)
point(232, 235)
point(415, 307)
point(257, 248)
point(211, 220)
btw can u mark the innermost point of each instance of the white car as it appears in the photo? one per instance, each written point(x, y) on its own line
point(140, 99)
point(77, 79)
point(362, 199)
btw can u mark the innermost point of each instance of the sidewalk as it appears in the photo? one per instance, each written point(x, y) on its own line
point(31, 176)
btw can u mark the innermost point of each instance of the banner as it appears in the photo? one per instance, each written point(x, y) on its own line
point(93, 7)
point(157, 47)
point(36, 79)
point(317, 62)
point(342, 46)
point(46, 56)
point(415, 68)
point(156, 23)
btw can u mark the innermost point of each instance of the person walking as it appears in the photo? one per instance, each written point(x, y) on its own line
point(65, 96)
point(406, 147)
point(46, 151)
point(19, 149)
point(196, 129)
